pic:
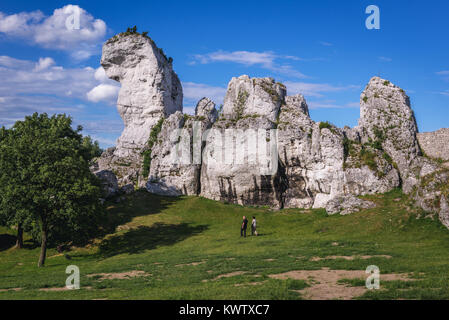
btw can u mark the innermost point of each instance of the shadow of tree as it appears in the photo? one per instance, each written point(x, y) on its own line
point(146, 238)
point(7, 241)
point(141, 203)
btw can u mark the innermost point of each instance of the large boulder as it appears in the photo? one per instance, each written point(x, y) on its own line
point(108, 182)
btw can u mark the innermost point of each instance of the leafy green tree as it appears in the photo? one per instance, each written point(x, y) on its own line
point(92, 148)
point(45, 182)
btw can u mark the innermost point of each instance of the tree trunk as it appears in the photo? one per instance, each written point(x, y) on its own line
point(43, 246)
point(19, 242)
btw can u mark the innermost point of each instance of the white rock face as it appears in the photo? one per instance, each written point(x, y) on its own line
point(386, 116)
point(176, 156)
point(256, 96)
point(234, 168)
point(316, 167)
point(150, 89)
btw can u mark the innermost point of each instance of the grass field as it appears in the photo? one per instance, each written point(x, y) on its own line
point(190, 248)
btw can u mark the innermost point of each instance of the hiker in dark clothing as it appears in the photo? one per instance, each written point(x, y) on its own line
point(243, 228)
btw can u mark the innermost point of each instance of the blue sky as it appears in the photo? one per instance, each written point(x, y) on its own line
point(319, 48)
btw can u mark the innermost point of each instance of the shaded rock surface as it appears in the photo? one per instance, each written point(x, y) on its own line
point(176, 156)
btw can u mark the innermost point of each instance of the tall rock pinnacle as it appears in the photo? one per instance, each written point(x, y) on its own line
point(386, 116)
point(150, 89)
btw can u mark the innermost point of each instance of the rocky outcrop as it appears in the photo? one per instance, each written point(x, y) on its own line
point(150, 90)
point(263, 149)
point(322, 163)
point(238, 163)
point(387, 121)
point(108, 182)
point(176, 155)
point(347, 204)
point(435, 144)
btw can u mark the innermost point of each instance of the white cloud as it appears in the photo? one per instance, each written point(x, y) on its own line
point(43, 86)
point(106, 91)
point(103, 92)
point(100, 75)
point(195, 91)
point(327, 105)
point(266, 60)
point(56, 31)
point(444, 74)
point(315, 89)
point(189, 110)
point(326, 44)
point(386, 59)
point(44, 63)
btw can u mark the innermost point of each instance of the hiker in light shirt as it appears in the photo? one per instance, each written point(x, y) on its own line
point(253, 227)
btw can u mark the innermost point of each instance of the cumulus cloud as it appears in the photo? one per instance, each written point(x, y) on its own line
point(195, 91)
point(103, 92)
point(43, 86)
point(106, 91)
point(44, 63)
point(267, 60)
point(315, 89)
point(70, 28)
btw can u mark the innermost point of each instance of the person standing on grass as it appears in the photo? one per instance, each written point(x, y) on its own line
point(253, 226)
point(244, 226)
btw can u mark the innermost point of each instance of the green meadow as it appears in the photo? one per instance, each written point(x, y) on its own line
point(190, 248)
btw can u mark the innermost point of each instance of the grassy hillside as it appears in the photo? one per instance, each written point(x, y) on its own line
point(190, 248)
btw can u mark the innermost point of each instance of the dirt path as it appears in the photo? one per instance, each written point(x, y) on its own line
point(324, 283)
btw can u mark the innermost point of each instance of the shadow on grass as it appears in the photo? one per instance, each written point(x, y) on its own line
point(146, 238)
point(7, 241)
point(141, 203)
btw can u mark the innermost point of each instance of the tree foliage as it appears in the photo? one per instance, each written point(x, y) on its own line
point(45, 182)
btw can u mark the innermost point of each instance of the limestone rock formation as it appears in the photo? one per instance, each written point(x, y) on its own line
point(253, 97)
point(108, 182)
point(176, 155)
point(322, 163)
point(150, 90)
point(347, 204)
point(264, 149)
point(435, 144)
point(387, 119)
point(237, 164)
